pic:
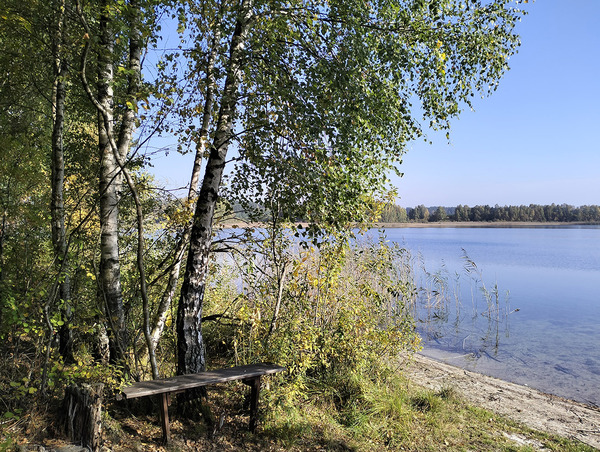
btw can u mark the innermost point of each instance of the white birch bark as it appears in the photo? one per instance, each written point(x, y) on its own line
point(190, 345)
point(110, 193)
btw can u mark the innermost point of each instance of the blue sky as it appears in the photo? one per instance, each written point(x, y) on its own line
point(535, 140)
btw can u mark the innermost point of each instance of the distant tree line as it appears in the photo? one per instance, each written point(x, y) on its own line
point(534, 212)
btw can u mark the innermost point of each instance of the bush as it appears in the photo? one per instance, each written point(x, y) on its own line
point(326, 313)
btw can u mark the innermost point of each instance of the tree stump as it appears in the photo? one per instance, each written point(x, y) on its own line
point(82, 415)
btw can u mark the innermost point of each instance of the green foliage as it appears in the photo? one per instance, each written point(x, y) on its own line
point(7, 444)
point(564, 213)
point(325, 313)
point(439, 214)
point(332, 92)
point(393, 213)
point(86, 370)
point(419, 214)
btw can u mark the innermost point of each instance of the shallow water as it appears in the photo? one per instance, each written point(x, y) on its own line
point(543, 328)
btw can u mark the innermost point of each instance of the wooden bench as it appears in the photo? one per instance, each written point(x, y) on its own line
point(249, 374)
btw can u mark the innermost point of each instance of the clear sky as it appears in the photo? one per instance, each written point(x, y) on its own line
point(535, 140)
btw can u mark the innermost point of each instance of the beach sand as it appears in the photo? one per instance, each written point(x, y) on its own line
point(528, 406)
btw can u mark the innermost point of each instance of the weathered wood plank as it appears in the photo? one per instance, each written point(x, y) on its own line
point(183, 382)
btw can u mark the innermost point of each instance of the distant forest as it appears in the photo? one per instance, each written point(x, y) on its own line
point(563, 213)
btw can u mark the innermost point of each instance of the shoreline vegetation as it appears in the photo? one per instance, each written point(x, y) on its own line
point(552, 213)
point(486, 224)
point(427, 405)
point(442, 224)
point(338, 318)
point(395, 216)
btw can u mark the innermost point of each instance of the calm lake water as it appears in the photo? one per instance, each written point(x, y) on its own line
point(527, 312)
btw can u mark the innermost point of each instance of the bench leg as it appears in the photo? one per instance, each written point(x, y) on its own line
point(255, 386)
point(164, 417)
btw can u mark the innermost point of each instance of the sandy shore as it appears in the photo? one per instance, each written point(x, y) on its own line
point(535, 409)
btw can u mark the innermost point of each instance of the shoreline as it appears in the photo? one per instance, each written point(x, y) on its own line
point(441, 224)
point(537, 410)
point(484, 224)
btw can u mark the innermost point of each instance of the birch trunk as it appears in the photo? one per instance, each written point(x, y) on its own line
point(57, 207)
point(211, 84)
point(2, 238)
point(113, 155)
point(110, 193)
point(2, 235)
point(190, 344)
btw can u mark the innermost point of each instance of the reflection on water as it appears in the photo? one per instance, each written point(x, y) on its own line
point(517, 304)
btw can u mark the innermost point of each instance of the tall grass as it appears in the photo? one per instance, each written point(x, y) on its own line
point(443, 303)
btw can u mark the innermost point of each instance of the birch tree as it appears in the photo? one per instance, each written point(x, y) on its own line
point(320, 99)
point(190, 346)
point(121, 22)
point(57, 205)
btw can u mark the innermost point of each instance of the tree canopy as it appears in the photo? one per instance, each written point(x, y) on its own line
point(298, 109)
point(331, 92)
point(320, 100)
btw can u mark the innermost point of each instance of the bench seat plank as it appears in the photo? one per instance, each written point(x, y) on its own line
point(190, 381)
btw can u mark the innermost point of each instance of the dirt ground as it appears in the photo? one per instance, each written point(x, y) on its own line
point(535, 409)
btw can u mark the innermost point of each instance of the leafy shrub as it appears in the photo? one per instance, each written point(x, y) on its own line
point(326, 312)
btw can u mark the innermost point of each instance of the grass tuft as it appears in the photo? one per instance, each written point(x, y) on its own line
point(392, 414)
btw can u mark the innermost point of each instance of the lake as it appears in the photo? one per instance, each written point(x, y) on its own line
point(520, 304)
